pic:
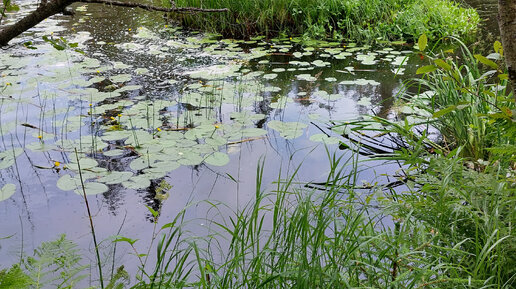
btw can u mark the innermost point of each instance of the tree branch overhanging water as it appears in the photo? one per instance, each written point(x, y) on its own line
point(48, 9)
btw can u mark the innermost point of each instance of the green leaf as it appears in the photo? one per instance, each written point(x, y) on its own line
point(498, 48)
point(115, 177)
point(422, 42)
point(7, 191)
point(92, 188)
point(67, 183)
point(139, 164)
point(486, 61)
point(56, 264)
point(137, 182)
point(504, 76)
point(442, 64)
point(125, 239)
point(426, 69)
point(14, 278)
point(444, 111)
point(321, 137)
point(288, 130)
point(217, 159)
point(12, 8)
point(152, 211)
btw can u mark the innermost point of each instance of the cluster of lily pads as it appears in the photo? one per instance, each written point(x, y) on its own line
point(112, 109)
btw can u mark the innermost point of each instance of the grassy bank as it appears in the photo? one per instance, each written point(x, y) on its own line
point(454, 232)
point(347, 20)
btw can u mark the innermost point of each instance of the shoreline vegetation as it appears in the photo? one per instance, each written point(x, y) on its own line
point(341, 20)
point(450, 225)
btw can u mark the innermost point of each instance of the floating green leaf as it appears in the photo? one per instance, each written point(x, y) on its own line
point(270, 76)
point(7, 191)
point(217, 159)
point(115, 177)
point(8, 158)
point(288, 130)
point(321, 137)
point(137, 182)
point(92, 188)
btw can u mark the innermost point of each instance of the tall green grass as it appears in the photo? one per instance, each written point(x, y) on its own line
point(296, 237)
point(460, 186)
point(446, 234)
point(347, 20)
point(469, 101)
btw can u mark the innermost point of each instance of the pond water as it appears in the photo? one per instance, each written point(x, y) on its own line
point(488, 11)
point(148, 104)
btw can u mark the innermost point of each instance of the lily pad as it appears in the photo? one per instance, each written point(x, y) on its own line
point(270, 76)
point(137, 182)
point(92, 188)
point(288, 130)
point(7, 191)
point(115, 177)
point(321, 137)
point(217, 159)
point(85, 163)
point(7, 158)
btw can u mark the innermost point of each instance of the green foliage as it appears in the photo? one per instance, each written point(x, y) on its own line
point(8, 6)
point(470, 214)
point(14, 278)
point(362, 21)
point(120, 280)
point(459, 187)
point(471, 107)
point(55, 264)
point(59, 44)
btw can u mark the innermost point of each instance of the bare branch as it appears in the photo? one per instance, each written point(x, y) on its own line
point(41, 13)
point(47, 9)
point(154, 8)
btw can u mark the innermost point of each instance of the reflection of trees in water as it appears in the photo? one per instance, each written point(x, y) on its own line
point(114, 198)
point(387, 90)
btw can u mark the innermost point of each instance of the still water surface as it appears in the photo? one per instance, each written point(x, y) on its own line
point(157, 104)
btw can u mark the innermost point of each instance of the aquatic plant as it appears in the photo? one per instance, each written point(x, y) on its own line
point(348, 20)
point(470, 106)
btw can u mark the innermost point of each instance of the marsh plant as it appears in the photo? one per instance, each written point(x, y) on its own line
point(359, 21)
point(445, 234)
point(455, 137)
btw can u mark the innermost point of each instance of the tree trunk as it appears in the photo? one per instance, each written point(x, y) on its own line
point(49, 8)
point(43, 12)
point(507, 21)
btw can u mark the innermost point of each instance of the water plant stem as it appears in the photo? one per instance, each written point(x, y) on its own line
point(99, 264)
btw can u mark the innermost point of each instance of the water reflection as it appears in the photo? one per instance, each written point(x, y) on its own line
point(58, 88)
